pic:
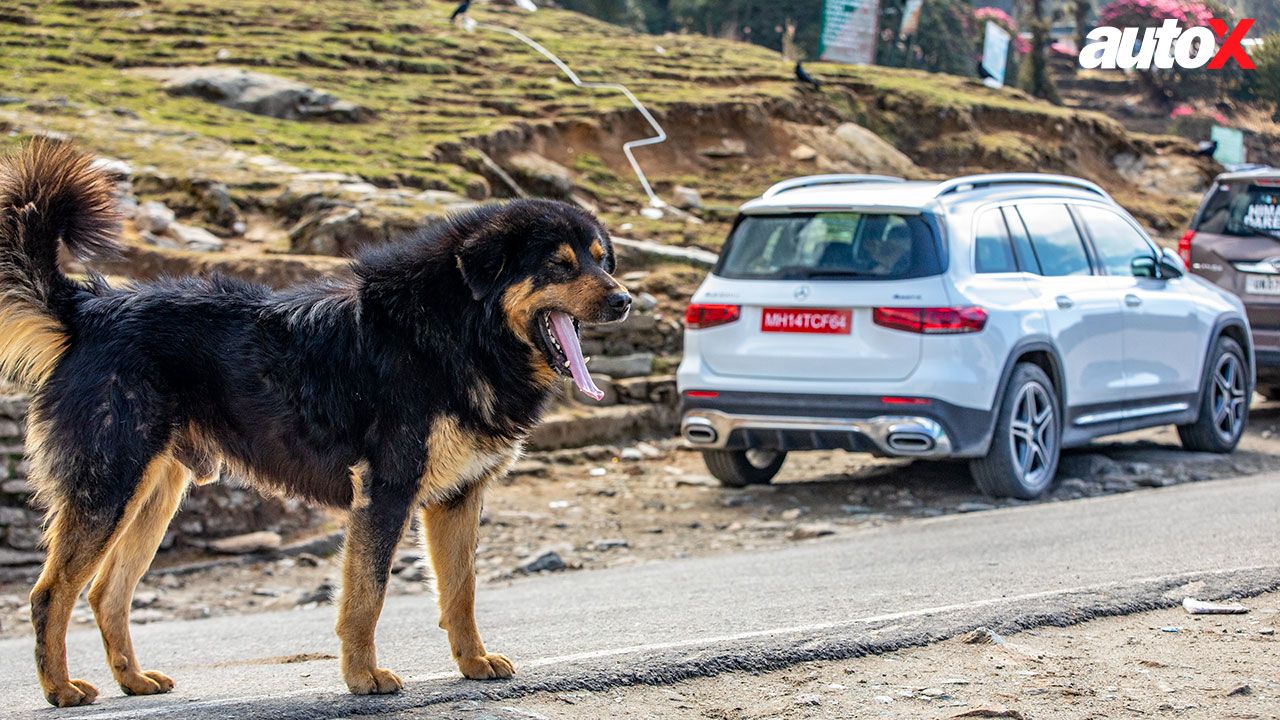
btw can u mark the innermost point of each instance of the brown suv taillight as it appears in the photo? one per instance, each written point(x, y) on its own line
point(1184, 246)
point(700, 316)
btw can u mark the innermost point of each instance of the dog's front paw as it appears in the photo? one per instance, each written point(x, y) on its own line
point(148, 682)
point(487, 667)
point(75, 692)
point(378, 681)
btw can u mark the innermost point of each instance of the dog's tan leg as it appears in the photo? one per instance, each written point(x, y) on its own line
point(111, 594)
point(452, 531)
point(76, 548)
point(374, 529)
point(78, 540)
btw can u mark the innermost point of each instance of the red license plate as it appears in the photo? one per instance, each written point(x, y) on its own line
point(806, 320)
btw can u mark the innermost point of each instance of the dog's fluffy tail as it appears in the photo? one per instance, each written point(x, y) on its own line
point(48, 192)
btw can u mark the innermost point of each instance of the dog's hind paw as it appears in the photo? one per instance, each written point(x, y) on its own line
point(378, 681)
point(148, 682)
point(75, 692)
point(488, 667)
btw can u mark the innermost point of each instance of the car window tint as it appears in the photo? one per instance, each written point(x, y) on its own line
point(1243, 209)
point(1021, 242)
point(1116, 241)
point(992, 251)
point(1055, 240)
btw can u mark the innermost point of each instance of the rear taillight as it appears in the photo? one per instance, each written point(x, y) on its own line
point(932, 321)
point(700, 316)
point(1184, 246)
point(702, 393)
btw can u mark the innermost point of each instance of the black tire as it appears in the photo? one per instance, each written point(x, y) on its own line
point(1023, 464)
point(740, 468)
point(1224, 402)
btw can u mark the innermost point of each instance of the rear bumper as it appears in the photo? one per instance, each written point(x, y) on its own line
point(741, 420)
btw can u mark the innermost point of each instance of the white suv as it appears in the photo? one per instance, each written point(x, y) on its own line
point(995, 317)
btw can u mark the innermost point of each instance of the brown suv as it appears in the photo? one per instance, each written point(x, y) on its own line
point(1234, 241)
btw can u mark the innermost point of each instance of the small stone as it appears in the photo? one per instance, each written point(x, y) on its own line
point(990, 711)
point(969, 507)
point(322, 595)
point(24, 538)
point(803, 153)
point(307, 560)
point(630, 455)
point(417, 572)
point(856, 510)
point(145, 599)
point(697, 481)
point(610, 544)
point(1240, 691)
point(1267, 631)
point(644, 302)
point(12, 516)
point(935, 693)
point(686, 198)
point(542, 561)
point(792, 514)
point(808, 699)
point(884, 699)
point(249, 543)
point(17, 487)
point(597, 472)
point(535, 468)
point(154, 217)
point(807, 531)
point(195, 238)
point(982, 636)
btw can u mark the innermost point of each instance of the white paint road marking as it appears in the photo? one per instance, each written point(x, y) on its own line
point(715, 640)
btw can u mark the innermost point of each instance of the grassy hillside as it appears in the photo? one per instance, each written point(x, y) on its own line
point(437, 94)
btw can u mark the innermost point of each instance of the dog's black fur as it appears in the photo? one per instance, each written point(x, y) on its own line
point(292, 389)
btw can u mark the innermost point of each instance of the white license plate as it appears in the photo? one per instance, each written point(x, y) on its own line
point(1262, 285)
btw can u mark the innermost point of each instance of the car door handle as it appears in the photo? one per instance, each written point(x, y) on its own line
point(1132, 300)
point(1064, 302)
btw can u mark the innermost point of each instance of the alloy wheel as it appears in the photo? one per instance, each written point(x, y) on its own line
point(1229, 398)
point(1031, 433)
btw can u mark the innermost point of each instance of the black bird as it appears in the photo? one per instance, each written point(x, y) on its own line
point(1207, 148)
point(803, 76)
point(462, 9)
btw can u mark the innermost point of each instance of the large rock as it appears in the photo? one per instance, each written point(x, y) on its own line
point(541, 176)
point(627, 366)
point(258, 93)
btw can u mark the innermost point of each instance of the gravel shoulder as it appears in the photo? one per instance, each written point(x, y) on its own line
point(1165, 664)
point(606, 506)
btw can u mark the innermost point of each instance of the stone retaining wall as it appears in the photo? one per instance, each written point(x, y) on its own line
point(212, 511)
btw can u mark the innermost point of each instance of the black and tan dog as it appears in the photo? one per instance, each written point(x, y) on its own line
point(406, 388)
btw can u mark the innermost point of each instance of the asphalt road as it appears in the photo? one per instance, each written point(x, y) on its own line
point(866, 591)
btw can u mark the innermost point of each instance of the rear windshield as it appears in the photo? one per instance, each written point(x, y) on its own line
point(834, 245)
point(1243, 208)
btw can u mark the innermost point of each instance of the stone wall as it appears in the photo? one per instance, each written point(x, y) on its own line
point(222, 509)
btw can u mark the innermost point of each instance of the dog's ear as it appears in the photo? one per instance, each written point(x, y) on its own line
point(481, 260)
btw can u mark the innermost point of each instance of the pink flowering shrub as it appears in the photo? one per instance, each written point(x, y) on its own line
point(1151, 13)
point(1006, 23)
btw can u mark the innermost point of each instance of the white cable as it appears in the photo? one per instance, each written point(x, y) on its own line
point(654, 201)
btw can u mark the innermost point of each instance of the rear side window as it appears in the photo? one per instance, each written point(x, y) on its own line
point(1115, 240)
point(1055, 240)
point(1243, 209)
point(1021, 241)
point(992, 251)
point(836, 245)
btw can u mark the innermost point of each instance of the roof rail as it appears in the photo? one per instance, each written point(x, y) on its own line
point(970, 182)
point(813, 180)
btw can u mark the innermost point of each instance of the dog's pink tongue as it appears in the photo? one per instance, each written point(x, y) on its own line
point(562, 325)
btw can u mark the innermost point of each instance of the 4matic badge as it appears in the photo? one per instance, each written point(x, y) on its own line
point(1168, 45)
